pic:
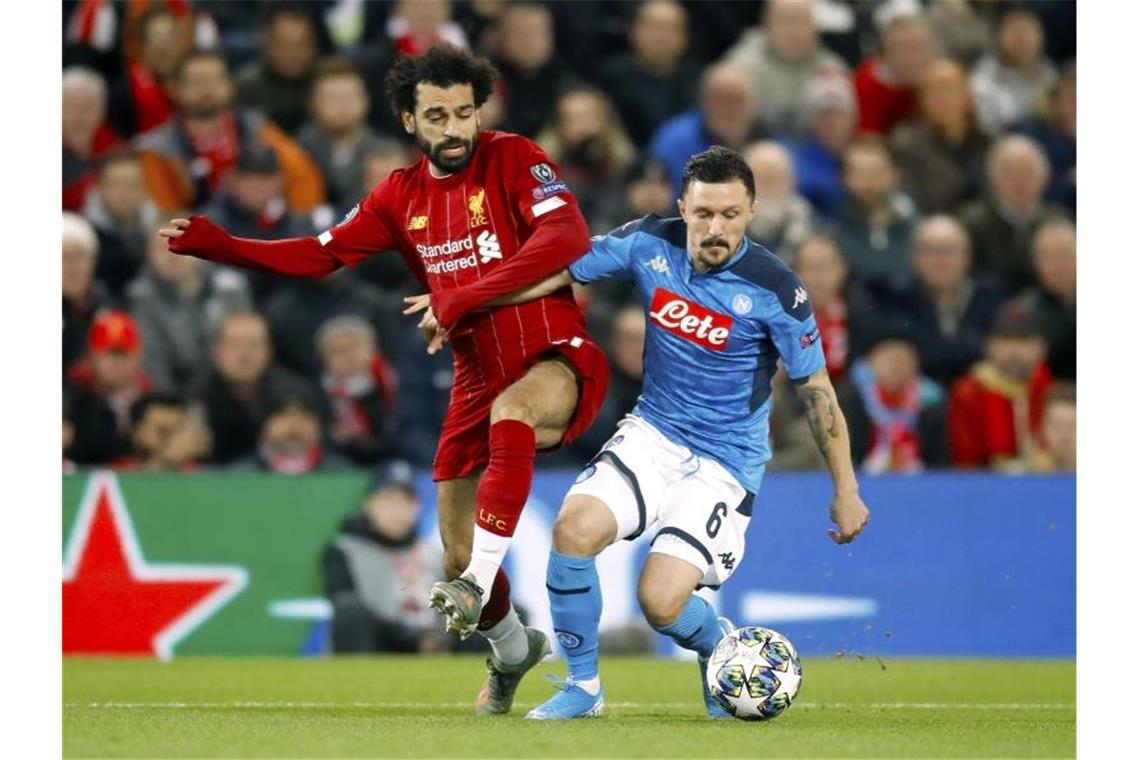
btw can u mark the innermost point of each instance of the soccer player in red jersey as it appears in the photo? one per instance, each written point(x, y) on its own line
point(479, 216)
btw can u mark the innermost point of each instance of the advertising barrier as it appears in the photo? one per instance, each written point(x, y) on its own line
point(227, 563)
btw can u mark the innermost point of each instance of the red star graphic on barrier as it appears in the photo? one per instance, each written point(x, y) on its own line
point(114, 601)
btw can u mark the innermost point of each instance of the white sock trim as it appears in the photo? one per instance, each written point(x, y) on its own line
point(487, 553)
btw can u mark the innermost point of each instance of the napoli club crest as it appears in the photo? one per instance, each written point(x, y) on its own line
point(742, 304)
point(568, 640)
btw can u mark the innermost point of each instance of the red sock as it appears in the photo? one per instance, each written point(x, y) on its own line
point(499, 604)
point(505, 486)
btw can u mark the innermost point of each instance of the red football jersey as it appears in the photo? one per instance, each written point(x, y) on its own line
point(459, 229)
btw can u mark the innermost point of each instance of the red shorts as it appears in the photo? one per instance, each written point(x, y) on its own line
point(464, 441)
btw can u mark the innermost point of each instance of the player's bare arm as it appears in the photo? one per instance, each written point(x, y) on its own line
point(829, 429)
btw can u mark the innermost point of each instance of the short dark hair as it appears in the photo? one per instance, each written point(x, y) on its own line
point(335, 66)
point(442, 65)
point(154, 398)
point(718, 164)
point(198, 54)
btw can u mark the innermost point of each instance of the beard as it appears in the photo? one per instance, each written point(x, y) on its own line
point(447, 164)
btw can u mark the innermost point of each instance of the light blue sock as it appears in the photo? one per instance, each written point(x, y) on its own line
point(576, 607)
point(696, 628)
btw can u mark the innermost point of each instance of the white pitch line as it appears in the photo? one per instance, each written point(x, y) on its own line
point(621, 705)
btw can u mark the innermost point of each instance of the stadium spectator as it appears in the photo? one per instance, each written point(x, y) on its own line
point(179, 303)
point(1002, 223)
point(244, 386)
point(655, 80)
point(140, 98)
point(359, 389)
point(122, 215)
point(1053, 300)
point(1057, 444)
point(86, 134)
point(187, 159)
point(647, 191)
point(942, 152)
point(844, 311)
point(425, 385)
point(68, 432)
point(783, 218)
point(829, 117)
point(995, 410)
point(378, 571)
point(588, 142)
point(725, 117)
point(960, 30)
point(531, 75)
point(337, 136)
point(291, 442)
point(253, 203)
point(625, 348)
point(166, 436)
point(300, 307)
point(1055, 130)
point(83, 295)
point(416, 25)
point(106, 382)
point(875, 223)
point(1007, 82)
point(896, 416)
point(389, 273)
point(885, 85)
point(278, 84)
point(384, 156)
point(948, 311)
point(780, 59)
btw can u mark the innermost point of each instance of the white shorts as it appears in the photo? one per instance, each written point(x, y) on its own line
point(696, 510)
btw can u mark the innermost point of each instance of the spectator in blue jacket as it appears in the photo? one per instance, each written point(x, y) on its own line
point(829, 118)
point(724, 116)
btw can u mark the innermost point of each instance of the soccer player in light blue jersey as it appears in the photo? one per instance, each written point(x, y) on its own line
point(687, 463)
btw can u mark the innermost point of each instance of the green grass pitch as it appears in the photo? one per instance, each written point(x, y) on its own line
point(420, 707)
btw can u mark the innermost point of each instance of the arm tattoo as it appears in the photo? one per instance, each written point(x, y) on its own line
point(822, 418)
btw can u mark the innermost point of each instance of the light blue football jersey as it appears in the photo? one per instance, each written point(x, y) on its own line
point(712, 339)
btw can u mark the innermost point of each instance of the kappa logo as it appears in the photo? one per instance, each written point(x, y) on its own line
point(658, 264)
point(475, 206)
point(690, 321)
point(801, 296)
point(488, 247)
point(417, 223)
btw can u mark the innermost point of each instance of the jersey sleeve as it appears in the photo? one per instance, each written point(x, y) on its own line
point(608, 255)
point(365, 229)
point(536, 188)
point(792, 328)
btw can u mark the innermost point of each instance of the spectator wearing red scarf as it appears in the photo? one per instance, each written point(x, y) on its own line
point(359, 387)
point(895, 415)
point(140, 99)
point(187, 159)
point(86, 134)
point(843, 309)
point(885, 85)
point(995, 410)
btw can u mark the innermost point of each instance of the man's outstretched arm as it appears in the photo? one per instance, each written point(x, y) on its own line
point(829, 429)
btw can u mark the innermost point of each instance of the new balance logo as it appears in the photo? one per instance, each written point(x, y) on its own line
point(658, 264)
point(801, 297)
point(488, 247)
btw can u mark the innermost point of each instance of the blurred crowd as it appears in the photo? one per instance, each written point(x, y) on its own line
point(915, 163)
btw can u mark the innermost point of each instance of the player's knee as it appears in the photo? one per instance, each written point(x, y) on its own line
point(513, 408)
point(659, 606)
point(579, 533)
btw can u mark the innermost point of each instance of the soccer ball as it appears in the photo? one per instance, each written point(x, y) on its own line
point(754, 673)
